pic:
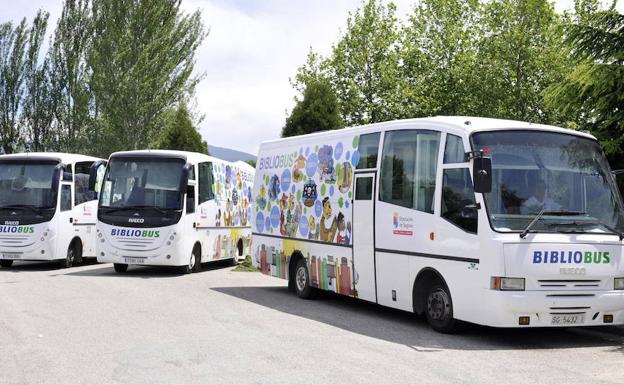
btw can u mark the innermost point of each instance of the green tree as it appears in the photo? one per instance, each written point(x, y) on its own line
point(70, 75)
point(37, 111)
point(13, 42)
point(364, 62)
point(596, 85)
point(178, 132)
point(317, 111)
point(142, 59)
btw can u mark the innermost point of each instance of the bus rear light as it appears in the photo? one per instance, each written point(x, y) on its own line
point(507, 284)
point(607, 318)
point(42, 251)
point(618, 283)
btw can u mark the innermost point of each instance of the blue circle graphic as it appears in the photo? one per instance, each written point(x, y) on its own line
point(338, 151)
point(267, 224)
point(303, 226)
point(260, 222)
point(331, 190)
point(355, 158)
point(312, 165)
point(285, 180)
point(318, 208)
point(275, 216)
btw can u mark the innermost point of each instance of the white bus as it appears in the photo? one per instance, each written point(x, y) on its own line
point(173, 208)
point(494, 222)
point(47, 211)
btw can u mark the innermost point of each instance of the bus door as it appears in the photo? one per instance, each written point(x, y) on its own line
point(363, 236)
point(66, 230)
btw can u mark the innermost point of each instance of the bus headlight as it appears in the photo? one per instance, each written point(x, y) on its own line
point(506, 283)
point(618, 283)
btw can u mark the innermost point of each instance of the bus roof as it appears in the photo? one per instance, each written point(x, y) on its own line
point(456, 124)
point(63, 157)
point(193, 157)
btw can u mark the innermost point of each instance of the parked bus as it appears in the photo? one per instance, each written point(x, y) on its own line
point(494, 222)
point(47, 211)
point(173, 208)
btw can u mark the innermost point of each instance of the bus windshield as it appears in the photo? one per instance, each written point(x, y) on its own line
point(565, 177)
point(27, 184)
point(139, 182)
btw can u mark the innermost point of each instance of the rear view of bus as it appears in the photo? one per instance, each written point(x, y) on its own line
point(172, 208)
point(47, 211)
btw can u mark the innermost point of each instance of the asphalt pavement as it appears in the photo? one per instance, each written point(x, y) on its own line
point(90, 325)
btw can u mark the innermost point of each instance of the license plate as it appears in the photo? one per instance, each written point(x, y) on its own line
point(134, 261)
point(10, 256)
point(567, 319)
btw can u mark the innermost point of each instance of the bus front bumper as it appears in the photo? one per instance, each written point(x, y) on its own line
point(42, 252)
point(552, 309)
point(168, 256)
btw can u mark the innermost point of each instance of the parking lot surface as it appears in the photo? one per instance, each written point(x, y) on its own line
point(90, 325)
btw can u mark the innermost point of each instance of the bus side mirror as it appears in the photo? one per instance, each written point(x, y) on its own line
point(185, 175)
point(93, 171)
point(619, 179)
point(482, 175)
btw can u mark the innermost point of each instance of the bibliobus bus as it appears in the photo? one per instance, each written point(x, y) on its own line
point(494, 222)
point(173, 208)
point(47, 211)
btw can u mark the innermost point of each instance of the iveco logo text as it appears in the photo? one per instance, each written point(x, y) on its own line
point(136, 220)
point(11, 223)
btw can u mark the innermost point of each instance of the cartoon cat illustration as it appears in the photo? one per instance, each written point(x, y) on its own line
point(283, 203)
point(327, 234)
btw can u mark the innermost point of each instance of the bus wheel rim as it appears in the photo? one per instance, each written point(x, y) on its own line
point(438, 305)
point(301, 278)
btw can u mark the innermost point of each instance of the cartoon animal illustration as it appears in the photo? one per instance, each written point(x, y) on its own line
point(298, 170)
point(234, 196)
point(261, 200)
point(292, 218)
point(309, 193)
point(274, 187)
point(217, 247)
point(228, 175)
point(313, 232)
point(218, 218)
point(326, 164)
point(283, 203)
point(344, 172)
point(327, 233)
point(239, 180)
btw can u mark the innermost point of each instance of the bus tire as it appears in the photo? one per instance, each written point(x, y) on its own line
point(302, 280)
point(439, 309)
point(6, 262)
point(70, 258)
point(194, 262)
point(120, 267)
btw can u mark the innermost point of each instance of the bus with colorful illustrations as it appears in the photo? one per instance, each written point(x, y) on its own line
point(173, 208)
point(492, 222)
point(47, 210)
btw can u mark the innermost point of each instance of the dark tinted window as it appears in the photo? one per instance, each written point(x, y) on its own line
point(408, 168)
point(190, 199)
point(368, 149)
point(66, 197)
point(454, 149)
point(81, 183)
point(364, 188)
point(458, 199)
point(206, 191)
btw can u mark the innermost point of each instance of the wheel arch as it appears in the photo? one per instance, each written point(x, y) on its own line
point(295, 257)
point(425, 278)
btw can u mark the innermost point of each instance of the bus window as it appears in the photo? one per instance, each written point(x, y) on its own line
point(205, 182)
point(454, 150)
point(364, 189)
point(66, 197)
point(408, 168)
point(82, 193)
point(458, 199)
point(368, 149)
point(190, 199)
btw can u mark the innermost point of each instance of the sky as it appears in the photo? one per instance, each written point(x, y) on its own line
point(252, 49)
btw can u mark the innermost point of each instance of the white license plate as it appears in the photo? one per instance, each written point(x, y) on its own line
point(10, 256)
point(134, 261)
point(567, 319)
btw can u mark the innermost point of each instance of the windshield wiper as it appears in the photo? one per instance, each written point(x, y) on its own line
point(543, 212)
point(596, 221)
point(138, 207)
point(35, 209)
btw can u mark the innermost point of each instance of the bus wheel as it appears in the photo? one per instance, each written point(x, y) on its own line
point(6, 262)
point(302, 280)
point(120, 267)
point(191, 267)
point(70, 258)
point(439, 309)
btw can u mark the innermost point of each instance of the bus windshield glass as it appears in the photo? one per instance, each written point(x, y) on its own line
point(27, 184)
point(564, 177)
point(139, 182)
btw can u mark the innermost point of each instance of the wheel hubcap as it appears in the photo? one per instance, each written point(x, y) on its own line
point(70, 255)
point(438, 305)
point(301, 278)
point(192, 261)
